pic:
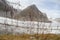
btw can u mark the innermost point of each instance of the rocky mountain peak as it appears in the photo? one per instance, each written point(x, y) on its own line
point(31, 13)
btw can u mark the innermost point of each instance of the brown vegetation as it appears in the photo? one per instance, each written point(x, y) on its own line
point(28, 37)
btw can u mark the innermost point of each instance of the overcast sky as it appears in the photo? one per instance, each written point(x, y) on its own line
point(50, 7)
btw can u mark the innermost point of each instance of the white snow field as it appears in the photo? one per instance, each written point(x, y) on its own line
point(29, 27)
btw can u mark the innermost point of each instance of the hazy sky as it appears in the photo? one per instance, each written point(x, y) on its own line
point(50, 7)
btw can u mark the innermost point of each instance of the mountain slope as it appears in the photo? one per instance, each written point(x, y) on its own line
point(6, 10)
point(57, 19)
point(31, 13)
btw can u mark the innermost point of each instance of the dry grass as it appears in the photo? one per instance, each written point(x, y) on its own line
point(28, 37)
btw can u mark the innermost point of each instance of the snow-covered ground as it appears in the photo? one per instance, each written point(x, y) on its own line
point(29, 27)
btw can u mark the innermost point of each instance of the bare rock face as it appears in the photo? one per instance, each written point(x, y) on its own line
point(31, 13)
point(3, 5)
point(6, 10)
